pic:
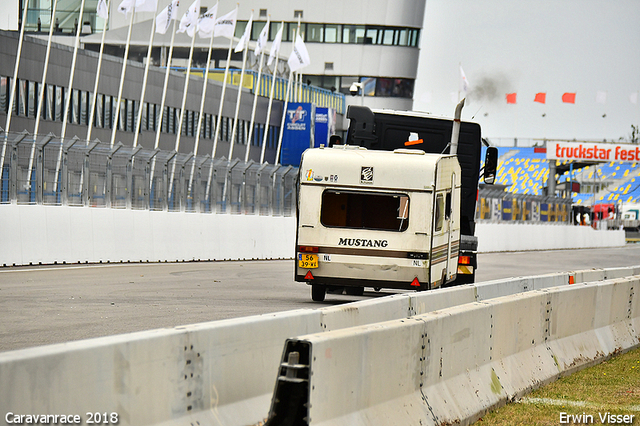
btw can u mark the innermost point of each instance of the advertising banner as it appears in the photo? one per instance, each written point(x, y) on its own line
point(298, 132)
point(604, 152)
point(325, 125)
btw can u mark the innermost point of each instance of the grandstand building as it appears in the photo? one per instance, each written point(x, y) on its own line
point(375, 45)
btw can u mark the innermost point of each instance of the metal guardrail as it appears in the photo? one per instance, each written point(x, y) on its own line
point(46, 170)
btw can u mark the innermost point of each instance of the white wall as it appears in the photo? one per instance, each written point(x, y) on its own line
point(494, 237)
point(50, 234)
point(9, 16)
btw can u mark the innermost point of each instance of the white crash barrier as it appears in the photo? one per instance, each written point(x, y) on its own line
point(501, 236)
point(451, 366)
point(47, 234)
point(53, 234)
point(224, 372)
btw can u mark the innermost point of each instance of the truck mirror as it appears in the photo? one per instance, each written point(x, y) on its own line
point(490, 165)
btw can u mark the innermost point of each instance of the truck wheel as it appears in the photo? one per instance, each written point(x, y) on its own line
point(355, 291)
point(318, 292)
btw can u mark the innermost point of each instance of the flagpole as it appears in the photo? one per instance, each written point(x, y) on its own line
point(219, 120)
point(202, 100)
point(164, 96)
point(182, 107)
point(144, 83)
point(95, 87)
point(244, 65)
point(255, 99)
point(122, 74)
point(268, 119)
point(98, 70)
point(13, 86)
point(284, 111)
point(460, 68)
point(296, 74)
point(300, 88)
point(272, 91)
point(224, 88)
point(70, 85)
point(41, 94)
point(67, 103)
point(234, 129)
point(284, 114)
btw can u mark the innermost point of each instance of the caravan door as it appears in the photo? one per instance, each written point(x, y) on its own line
point(445, 240)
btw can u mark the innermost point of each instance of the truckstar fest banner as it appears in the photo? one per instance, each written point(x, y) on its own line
point(604, 152)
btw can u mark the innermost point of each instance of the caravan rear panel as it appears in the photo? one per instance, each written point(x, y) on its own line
point(366, 218)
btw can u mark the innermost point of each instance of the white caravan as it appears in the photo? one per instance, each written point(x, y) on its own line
point(381, 219)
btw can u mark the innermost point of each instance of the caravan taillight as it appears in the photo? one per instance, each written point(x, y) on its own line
point(464, 260)
point(307, 249)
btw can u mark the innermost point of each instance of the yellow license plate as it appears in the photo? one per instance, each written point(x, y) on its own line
point(307, 261)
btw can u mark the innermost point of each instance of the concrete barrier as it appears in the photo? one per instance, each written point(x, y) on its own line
point(215, 373)
point(452, 365)
point(55, 234)
point(224, 372)
point(498, 237)
point(52, 234)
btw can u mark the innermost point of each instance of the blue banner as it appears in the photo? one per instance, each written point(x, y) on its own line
point(325, 125)
point(298, 132)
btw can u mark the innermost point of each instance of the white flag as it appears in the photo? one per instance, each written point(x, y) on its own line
point(207, 22)
point(102, 9)
point(464, 83)
point(275, 47)
point(189, 20)
point(262, 39)
point(244, 40)
point(299, 57)
point(633, 98)
point(127, 6)
point(163, 20)
point(146, 5)
point(601, 97)
point(226, 25)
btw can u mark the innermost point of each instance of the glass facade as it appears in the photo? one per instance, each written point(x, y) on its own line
point(338, 33)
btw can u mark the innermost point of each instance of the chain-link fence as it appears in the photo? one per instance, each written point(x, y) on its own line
point(46, 170)
point(80, 173)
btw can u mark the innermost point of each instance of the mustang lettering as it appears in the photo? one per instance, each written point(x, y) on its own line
point(359, 242)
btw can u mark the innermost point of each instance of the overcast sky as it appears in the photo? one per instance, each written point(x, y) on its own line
point(530, 46)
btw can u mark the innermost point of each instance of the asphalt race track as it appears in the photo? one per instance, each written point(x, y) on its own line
point(55, 304)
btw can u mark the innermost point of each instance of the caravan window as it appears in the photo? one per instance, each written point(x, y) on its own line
point(439, 212)
point(365, 210)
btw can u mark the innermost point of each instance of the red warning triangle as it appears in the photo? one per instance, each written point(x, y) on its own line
point(415, 282)
point(309, 276)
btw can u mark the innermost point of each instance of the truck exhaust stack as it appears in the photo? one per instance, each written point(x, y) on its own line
point(455, 132)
